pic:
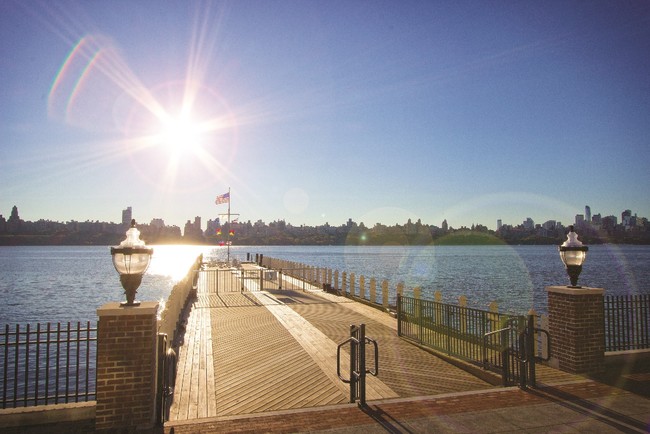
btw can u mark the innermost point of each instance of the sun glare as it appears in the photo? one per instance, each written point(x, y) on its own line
point(180, 135)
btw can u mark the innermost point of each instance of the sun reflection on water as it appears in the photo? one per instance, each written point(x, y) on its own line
point(173, 261)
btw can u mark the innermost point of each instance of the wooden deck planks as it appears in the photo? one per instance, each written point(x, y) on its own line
point(264, 369)
point(194, 390)
point(405, 368)
point(261, 351)
point(320, 347)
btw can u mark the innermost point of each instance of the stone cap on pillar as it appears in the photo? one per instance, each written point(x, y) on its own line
point(575, 291)
point(115, 309)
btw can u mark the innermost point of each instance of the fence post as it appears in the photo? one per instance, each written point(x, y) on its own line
point(418, 312)
point(126, 366)
point(384, 293)
point(399, 314)
point(530, 348)
point(373, 290)
point(362, 287)
point(462, 302)
point(493, 319)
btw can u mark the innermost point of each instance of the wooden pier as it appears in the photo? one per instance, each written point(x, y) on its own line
point(262, 350)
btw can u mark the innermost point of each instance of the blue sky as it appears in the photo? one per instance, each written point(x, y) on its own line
point(317, 112)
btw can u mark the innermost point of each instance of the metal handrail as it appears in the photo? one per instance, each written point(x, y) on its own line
point(358, 371)
point(376, 371)
point(338, 359)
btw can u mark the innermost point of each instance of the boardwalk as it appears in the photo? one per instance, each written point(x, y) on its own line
point(262, 351)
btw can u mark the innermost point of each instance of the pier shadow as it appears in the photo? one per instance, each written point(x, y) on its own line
point(227, 300)
point(615, 419)
point(633, 375)
point(290, 296)
point(385, 420)
point(179, 336)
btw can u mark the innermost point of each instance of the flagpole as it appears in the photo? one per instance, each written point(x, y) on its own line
point(229, 228)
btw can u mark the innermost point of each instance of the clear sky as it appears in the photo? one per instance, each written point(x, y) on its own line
point(320, 111)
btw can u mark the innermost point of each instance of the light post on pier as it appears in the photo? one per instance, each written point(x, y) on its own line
point(131, 259)
point(576, 316)
point(573, 254)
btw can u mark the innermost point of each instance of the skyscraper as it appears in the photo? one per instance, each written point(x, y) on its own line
point(587, 213)
point(127, 216)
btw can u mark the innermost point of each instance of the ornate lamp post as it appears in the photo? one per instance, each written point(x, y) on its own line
point(573, 255)
point(131, 259)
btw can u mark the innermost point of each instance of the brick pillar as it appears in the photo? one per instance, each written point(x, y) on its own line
point(126, 366)
point(577, 329)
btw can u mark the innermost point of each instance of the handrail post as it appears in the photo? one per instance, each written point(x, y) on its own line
point(505, 356)
point(362, 365)
point(353, 363)
point(523, 359)
point(530, 332)
point(160, 379)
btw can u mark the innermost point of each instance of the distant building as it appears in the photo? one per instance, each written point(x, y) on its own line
point(609, 223)
point(445, 226)
point(499, 224)
point(212, 226)
point(157, 223)
point(549, 225)
point(528, 224)
point(626, 218)
point(596, 221)
point(14, 223)
point(127, 216)
point(587, 213)
point(580, 220)
point(193, 230)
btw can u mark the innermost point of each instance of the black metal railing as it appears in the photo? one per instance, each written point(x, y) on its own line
point(484, 338)
point(627, 322)
point(217, 281)
point(301, 279)
point(47, 364)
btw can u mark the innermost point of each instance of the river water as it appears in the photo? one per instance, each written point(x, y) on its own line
point(68, 283)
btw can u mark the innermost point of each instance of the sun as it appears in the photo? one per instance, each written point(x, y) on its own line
point(180, 135)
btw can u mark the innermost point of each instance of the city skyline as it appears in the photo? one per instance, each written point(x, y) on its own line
point(127, 215)
point(318, 113)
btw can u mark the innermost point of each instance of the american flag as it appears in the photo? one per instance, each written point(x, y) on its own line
point(223, 198)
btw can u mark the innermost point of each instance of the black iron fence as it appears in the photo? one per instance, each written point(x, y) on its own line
point(48, 364)
point(484, 338)
point(627, 322)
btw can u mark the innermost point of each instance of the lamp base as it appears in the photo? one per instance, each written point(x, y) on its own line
point(130, 283)
point(130, 304)
point(574, 271)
